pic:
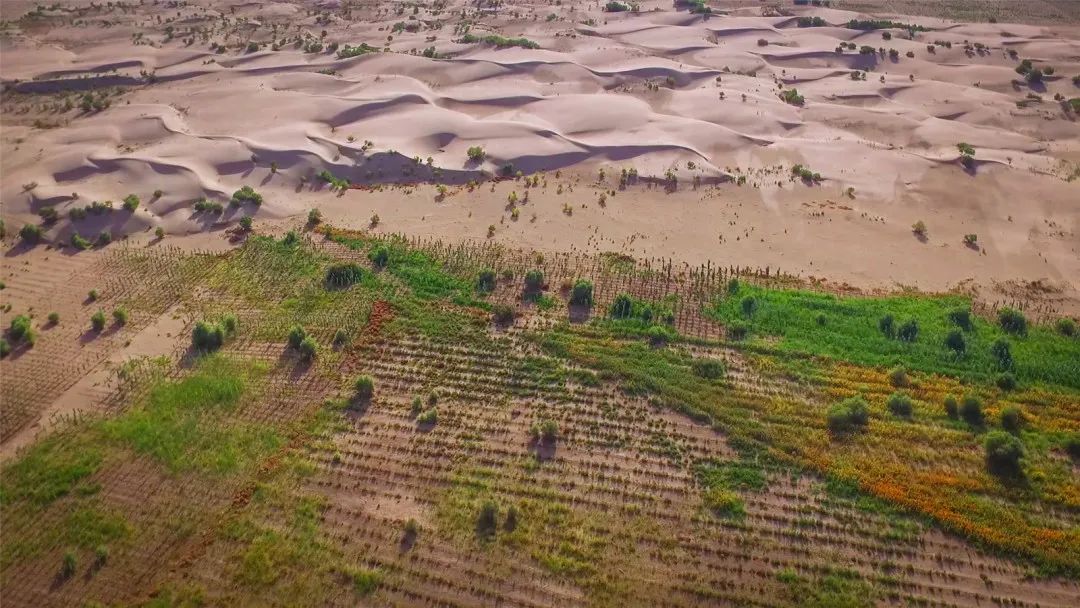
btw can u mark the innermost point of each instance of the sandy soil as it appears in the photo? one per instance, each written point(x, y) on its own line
point(663, 91)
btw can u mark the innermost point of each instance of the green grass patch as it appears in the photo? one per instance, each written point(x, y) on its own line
point(847, 328)
point(837, 588)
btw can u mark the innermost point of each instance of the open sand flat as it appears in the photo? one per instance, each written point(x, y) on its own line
point(195, 100)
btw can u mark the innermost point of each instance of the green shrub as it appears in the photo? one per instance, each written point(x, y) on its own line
point(1011, 418)
point(1003, 453)
point(68, 565)
point(5, 348)
point(245, 223)
point(848, 415)
point(534, 280)
point(54, 318)
point(487, 521)
point(207, 337)
point(952, 409)
point(1012, 321)
point(296, 336)
point(961, 317)
point(898, 377)
point(229, 323)
point(476, 153)
point(711, 369)
point(971, 410)
point(900, 405)
point(21, 327)
point(485, 281)
point(748, 304)
point(582, 293)
point(887, 325)
point(343, 275)
point(78, 242)
point(1002, 353)
point(909, 331)
point(246, 194)
point(120, 315)
point(314, 217)
point(131, 202)
point(31, 233)
point(737, 330)
point(1072, 446)
point(429, 417)
point(97, 321)
point(502, 313)
point(307, 349)
point(364, 388)
point(955, 341)
point(622, 307)
point(1005, 381)
point(379, 256)
point(341, 337)
point(1066, 327)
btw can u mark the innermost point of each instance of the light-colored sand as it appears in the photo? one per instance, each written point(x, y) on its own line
point(655, 91)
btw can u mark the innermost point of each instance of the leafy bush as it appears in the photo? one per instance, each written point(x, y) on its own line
point(791, 96)
point(54, 318)
point(363, 48)
point(207, 337)
point(1005, 381)
point(711, 369)
point(21, 327)
point(97, 321)
point(307, 348)
point(344, 274)
point(1002, 353)
point(622, 307)
point(1003, 453)
point(898, 377)
point(534, 280)
point(429, 417)
point(502, 313)
point(31, 233)
point(909, 331)
point(5, 348)
point(848, 415)
point(961, 317)
point(955, 341)
point(120, 315)
point(1066, 327)
point(245, 223)
point(1012, 321)
point(204, 206)
point(499, 41)
point(379, 256)
point(485, 281)
point(1011, 418)
point(314, 217)
point(971, 410)
point(246, 194)
point(952, 409)
point(296, 335)
point(900, 405)
point(582, 293)
point(616, 7)
point(364, 388)
point(131, 202)
point(476, 153)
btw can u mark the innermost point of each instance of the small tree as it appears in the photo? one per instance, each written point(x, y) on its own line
point(364, 388)
point(971, 410)
point(1003, 453)
point(582, 293)
point(848, 415)
point(900, 405)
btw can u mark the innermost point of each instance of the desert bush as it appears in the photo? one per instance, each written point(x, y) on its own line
point(5, 348)
point(898, 377)
point(428, 417)
point(131, 202)
point(68, 565)
point(476, 153)
point(971, 410)
point(120, 315)
point(104, 238)
point(207, 336)
point(502, 314)
point(307, 348)
point(31, 233)
point(887, 325)
point(848, 415)
point(762, 42)
point(246, 223)
point(21, 327)
point(791, 96)
point(79, 242)
point(92, 295)
point(616, 7)
point(364, 388)
point(908, 331)
point(487, 521)
point(955, 341)
point(54, 318)
point(1003, 453)
point(582, 293)
point(1006, 381)
point(900, 405)
point(1011, 418)
point(246, 194)
point(545, 431)
point(314, 217)
point(952, 408)
point(1012, 321)
point(485, 281)
point(534, 280)
point(97, 321)
point(737, 330)
point(343, 275)
point(749, 304)
point(622, 307)
point(919, 228)
point(48, 214)
point(379, 256)
point(1065, 327)
point(711, 369)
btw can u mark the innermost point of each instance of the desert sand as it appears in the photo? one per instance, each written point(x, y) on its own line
point(661, 91)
